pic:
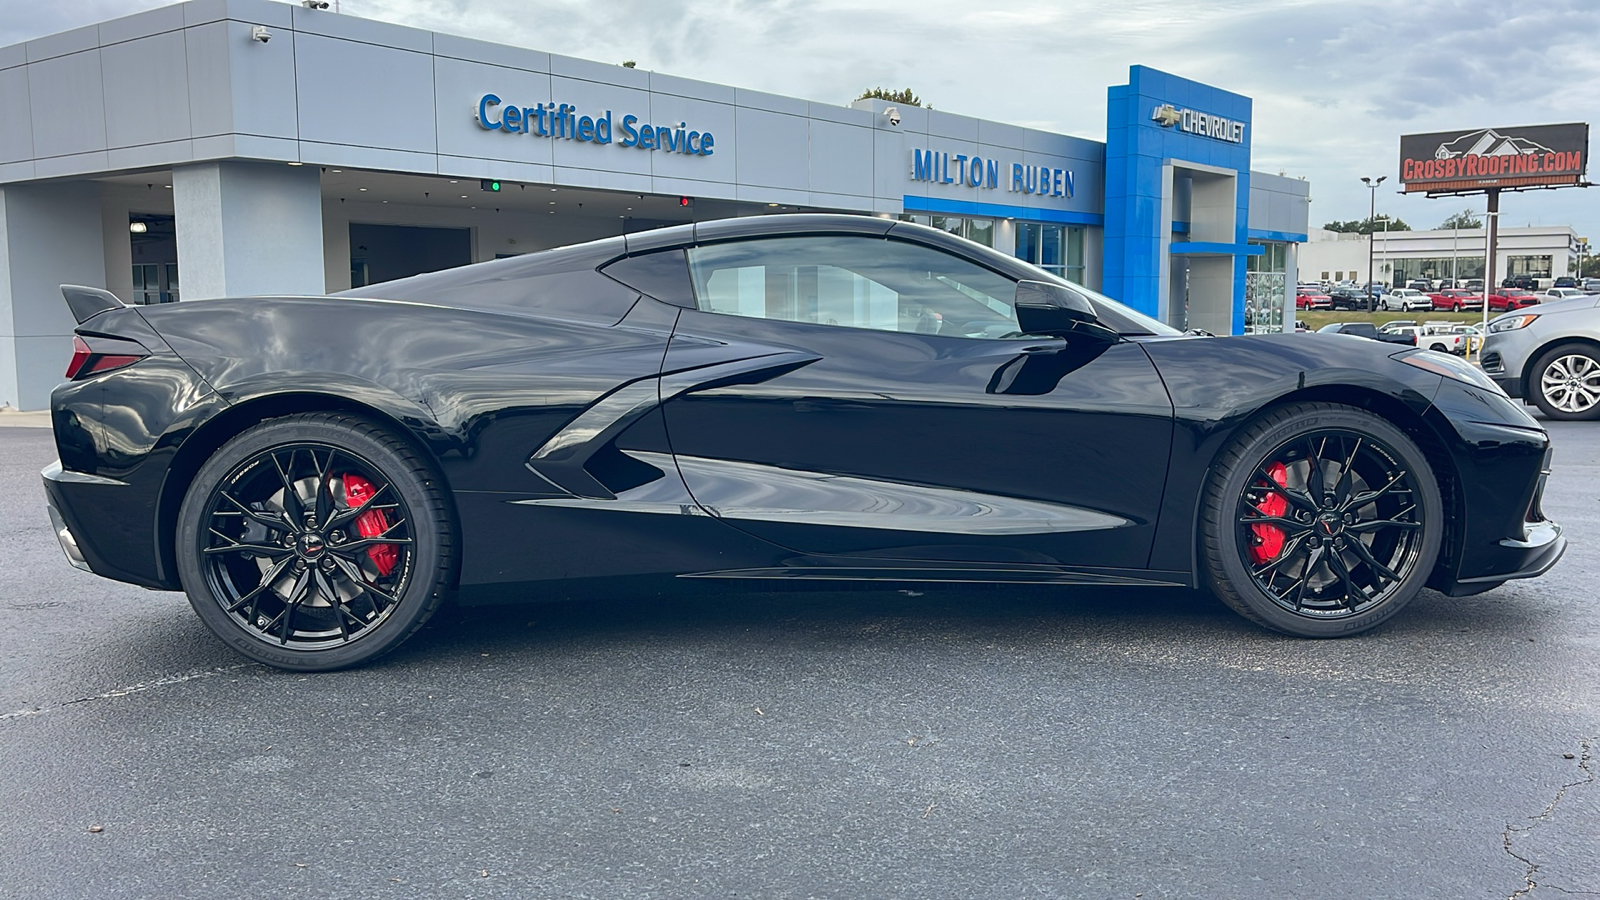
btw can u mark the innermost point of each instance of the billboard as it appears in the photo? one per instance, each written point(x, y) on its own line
point(1525, 156)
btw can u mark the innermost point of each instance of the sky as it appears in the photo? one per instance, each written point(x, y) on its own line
point(1334, 82)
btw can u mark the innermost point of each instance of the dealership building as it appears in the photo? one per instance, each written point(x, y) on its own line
point(242, 147)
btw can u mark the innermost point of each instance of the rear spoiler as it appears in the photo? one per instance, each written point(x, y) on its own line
point(88, 302)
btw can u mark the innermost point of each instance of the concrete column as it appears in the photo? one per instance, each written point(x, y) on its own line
point(1211, 283)
point(336, 246)
point(248, 228)
point(1291, 284)
point(1094, 258)
point(50, 235)
point(1005, 236)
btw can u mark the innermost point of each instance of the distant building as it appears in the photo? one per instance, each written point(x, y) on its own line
point(1544, 252)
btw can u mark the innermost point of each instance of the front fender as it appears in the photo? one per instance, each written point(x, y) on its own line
point(1219, 384)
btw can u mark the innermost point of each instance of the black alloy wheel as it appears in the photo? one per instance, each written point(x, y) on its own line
point(1321, 520)
point(315, 542)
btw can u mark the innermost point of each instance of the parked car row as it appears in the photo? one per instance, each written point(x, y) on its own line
point(1448, 300)
point(1432, 286)
point(1444, 337)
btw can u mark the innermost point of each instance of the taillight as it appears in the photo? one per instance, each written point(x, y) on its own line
point(94, 355)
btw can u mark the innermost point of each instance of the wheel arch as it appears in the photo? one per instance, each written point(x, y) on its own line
point(1546, 347)
point(234, 420)
point(1414, 424)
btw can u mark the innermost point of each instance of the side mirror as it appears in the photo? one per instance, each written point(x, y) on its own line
point(1045, 308)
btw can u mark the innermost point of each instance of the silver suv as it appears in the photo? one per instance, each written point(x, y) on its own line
point(1549, 355)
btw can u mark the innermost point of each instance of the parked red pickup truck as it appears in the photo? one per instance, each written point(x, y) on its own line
point(1456, 300)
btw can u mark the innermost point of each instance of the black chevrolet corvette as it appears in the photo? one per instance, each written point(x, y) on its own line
point(764, 400)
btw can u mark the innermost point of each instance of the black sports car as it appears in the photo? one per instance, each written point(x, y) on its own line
point(771, 399)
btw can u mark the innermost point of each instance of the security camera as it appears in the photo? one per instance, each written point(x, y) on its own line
point(893, 114)
point(314, 4)
point(260, 33)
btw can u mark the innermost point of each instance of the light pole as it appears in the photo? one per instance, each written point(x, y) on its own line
point(1372, 213)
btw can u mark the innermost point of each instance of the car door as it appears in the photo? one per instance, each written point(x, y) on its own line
point(902, 416)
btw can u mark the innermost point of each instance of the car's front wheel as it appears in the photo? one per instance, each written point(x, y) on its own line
point(1565, 382)
point(1320, 520)
point(315, 541)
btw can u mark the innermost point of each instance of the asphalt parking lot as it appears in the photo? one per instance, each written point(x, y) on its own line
point(952, 743)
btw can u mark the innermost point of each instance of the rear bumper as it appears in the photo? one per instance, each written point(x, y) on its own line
point(77, 504)
point(64, 535)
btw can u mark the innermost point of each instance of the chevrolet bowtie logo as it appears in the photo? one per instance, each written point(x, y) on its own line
point(1167, 115)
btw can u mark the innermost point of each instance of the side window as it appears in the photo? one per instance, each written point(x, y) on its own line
point(854, 282)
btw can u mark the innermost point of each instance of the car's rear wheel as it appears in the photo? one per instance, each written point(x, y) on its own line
point(1439, 347)
point(1565, 382)
point(1320, 520)
point(315, 541)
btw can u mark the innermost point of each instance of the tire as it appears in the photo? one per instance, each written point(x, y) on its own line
point(298, 578)
point(1565, 382)
point(1439, 347)
point(1323, 580)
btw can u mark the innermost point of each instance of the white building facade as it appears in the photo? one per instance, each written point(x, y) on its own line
point(1541, 252)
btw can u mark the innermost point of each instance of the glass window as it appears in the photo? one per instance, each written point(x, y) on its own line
point(1074, 265)
point(980, 231)
point(1266, 288)
point(1057, 249)
point(853, 282)
point(1051, 252)
point(1536, 266)
point(1028, 242)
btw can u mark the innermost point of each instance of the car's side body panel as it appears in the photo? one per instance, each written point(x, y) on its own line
point(914, 446)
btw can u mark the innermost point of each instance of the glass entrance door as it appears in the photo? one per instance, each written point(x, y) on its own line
point(154, 244)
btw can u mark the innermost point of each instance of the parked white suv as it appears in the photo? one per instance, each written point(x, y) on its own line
point(1549, 355)
point(1406, 300)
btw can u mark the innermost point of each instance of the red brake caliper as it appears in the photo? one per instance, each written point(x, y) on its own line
point(373, 522)
point(1269, 538)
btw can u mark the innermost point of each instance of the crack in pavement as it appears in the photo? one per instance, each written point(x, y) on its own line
point(1585, 758)
point(137, 688)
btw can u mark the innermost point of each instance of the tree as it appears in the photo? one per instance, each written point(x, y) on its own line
point(1463, 219)
point(902, 96)
point(1365, 226)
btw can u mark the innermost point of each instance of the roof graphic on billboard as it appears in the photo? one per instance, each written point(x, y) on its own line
point(1487, 142)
